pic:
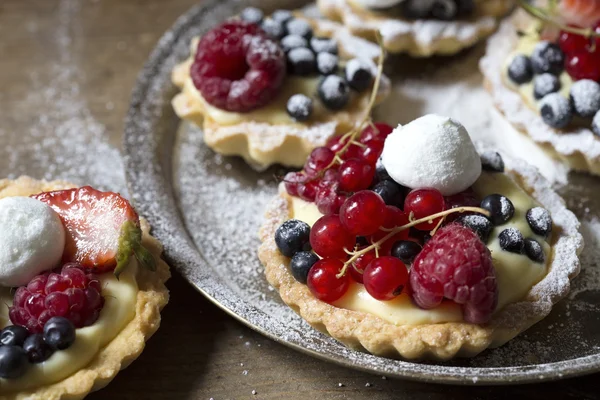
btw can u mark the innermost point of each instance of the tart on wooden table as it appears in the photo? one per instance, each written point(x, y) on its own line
point(272, 88)
point(421, 28)
point(542, 70)
point(82, 287)
point(431, 252)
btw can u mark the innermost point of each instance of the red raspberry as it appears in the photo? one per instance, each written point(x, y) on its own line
point(456, 265)
point(237, 67)
point(72, 294)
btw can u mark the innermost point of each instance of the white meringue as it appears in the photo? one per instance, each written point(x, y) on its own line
point(32, 239)
point(378, 4)
point(432, 152)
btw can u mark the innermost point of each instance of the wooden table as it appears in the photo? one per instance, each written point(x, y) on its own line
point(199, 352)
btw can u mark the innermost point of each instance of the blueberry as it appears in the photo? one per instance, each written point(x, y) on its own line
point(37, 349)
point(416, 9)
point(358, 74)
point(381, 172)
point(292, 236)
point(520, 70)
point(252, 14)
point(301, 264)
point(334, 92)
point(391, 193)
point(293, 42)
point(275, 30)
point(13, 362)
point(13, 335)
point(406, 250)
point(465, 7)
point(444, 9)
point(300, 107)
point(492, 161)
point(59, 333)
point(327, 63)
point(282, 16)
point(545, 84)
point(301, 61)
point(534, 250)
point(596, 124)
point(299, 27)
point(478, 224)
point(500, 208)
point(556, 110)
point(511, 240)
point(539, 221)
point(585, 96)
point(324, 45)
point(547, 57)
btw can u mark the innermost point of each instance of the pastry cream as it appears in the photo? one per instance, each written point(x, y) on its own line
point(516, 273)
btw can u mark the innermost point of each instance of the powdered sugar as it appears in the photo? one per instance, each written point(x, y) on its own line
point(585, 95)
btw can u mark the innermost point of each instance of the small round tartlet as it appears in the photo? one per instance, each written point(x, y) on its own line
point(122, 349)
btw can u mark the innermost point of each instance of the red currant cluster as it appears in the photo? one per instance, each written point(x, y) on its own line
point(582, 54)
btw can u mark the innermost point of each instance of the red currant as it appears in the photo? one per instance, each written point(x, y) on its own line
point(571, 42)
point(335, 143)
point(379, 130)
point(372, 151)
point(363, 213)
point(468, 198)
point(358, 266)
point(329, 200)
point(355, 175)
point(329, 237)
point(323, 281)
point(319, 159)
point(292, 181)
point(308, 191)
point(584, 64)
point(423, 203)
point(385, 278)
point(394, 217)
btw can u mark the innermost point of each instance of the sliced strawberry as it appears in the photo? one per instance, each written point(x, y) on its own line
point(103, 229)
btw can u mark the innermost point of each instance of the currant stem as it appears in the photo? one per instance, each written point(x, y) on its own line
point(541, 15)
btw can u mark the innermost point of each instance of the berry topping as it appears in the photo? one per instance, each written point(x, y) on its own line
point(252, 15)
point(300, 107)
point(572, 42)
point(292, 236)
point(293, 42)
point(465, 7)
point(500, 208)
point(330, 238)
point(421, 203)
point(492, 161)
point(416, 9)
point(556, 110)
point(584, 65)
point(585, 96)
point(391, 193)
point(363, 213)
point(456, 265)
point(406, 250)
point(534, 250)
point(511, 240)
point(13, 362)
point(355, 175)
point(324, 282)
point(319, 159)
point(299, 27)
point(327, 63)
point(301, 264)
point(596, 124)
point(545, 84)
point(329, 200)
point(520, 70)
point(377, 130)
point(547, 57)
point(334, 92)
point(381, 173)
point(358, 74)
point(273, 29)
point(301, 61)
point(539, 221)
point(445, 10)
point(59, 333)
point(478, 224)
point(37, 349)
point(13, 335)
point(282, 16)
point(324, 45)
point(385, 278)
point(237, 67)
point(102, 229)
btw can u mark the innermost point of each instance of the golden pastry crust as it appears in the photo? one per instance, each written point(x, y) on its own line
point(422, 38)
point(129, 343)
point(367, 332)
point(262, 144)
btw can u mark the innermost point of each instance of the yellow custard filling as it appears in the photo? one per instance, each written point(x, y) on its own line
point(516, 274)
point(119, 309)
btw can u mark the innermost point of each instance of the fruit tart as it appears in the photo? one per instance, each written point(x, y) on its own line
point(82, 286)
point(431, 252)
point(543, 74)
point(270, 89)
point(421, 28)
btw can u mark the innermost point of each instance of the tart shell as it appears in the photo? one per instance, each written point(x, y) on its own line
point(129, 343)
point(367, 332)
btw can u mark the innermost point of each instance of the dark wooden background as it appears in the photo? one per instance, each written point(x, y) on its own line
point(199, 352)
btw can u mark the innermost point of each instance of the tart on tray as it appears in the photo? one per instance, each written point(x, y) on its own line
point(543, 74)
point(82, 286)
point(421, 28)
point(431, 252)
point(270, 89)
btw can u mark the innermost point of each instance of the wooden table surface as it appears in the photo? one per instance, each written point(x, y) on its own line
point(199, 352)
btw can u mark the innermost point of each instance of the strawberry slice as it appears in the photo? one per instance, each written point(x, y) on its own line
point(103, 229)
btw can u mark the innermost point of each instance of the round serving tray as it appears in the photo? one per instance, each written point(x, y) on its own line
point(206, 209)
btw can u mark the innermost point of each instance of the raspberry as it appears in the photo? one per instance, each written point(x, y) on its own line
point(72, 294)
point(456, 265)
point(237, 67)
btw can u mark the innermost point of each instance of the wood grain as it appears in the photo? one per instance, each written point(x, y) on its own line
point(199, 352)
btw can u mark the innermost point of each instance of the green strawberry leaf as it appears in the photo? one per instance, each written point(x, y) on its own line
point(145, 258)
point(130, 242)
